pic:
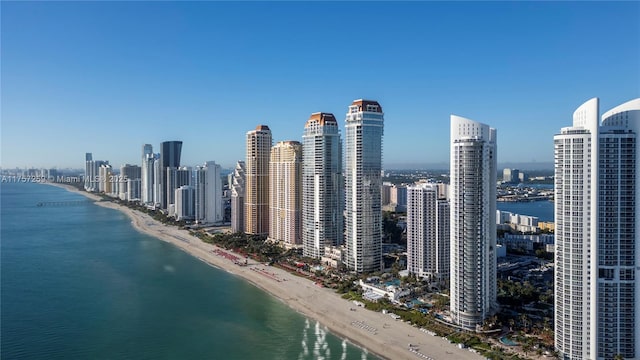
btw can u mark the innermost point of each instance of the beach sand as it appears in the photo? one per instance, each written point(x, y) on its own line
point(377, 332)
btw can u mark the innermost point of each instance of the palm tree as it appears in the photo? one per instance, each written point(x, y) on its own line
point(524, 319)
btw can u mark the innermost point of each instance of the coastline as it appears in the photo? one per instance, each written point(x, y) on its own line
point(376, 332)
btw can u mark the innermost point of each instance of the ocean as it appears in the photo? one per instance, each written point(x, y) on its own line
point(79, 282)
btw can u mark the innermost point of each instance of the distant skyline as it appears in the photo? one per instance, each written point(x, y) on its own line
point(108, 77)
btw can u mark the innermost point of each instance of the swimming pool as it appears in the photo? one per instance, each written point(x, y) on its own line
point(505, 340)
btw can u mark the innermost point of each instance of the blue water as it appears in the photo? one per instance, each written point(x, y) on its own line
point(78, 282)
point(542, 209)
point(505, 340)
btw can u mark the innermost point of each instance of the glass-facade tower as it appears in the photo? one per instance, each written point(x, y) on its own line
point(363, 183)
point(322, 217)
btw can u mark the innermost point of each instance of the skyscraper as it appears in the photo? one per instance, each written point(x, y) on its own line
point(157, 180)
point(105, 176)
point(208, 195)
point(322, 184)
point(285, 193)
point(127, 172)
point(169, 157)
point(92, 178)
point(619, 232)
point(146, 183)
point(597, 282)
point(185, 202)
point(237, 197)
point(427, 232)
point(363, 181)
point(177, 177)
point(473, 222)
point(88, 163)
point(256, 207)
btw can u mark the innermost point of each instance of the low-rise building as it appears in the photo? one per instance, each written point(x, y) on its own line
point(332, 256)
point(375, 292)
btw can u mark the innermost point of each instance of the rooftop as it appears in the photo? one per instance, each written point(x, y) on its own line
point(322, 118)
point(367, 105)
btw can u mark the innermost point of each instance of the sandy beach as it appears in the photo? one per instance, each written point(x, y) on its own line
point(377, 332)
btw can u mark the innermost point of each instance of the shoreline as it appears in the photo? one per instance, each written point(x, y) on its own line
point(384, 337)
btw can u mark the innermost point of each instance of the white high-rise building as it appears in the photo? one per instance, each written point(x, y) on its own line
point(146, 177)
point(237, 197)
point(88, 163)
point(510, 175)
point(322, 185)
point(285, 193)
point(208, 185)
point(597, 278)
point(157, 180)
point(92, 173)
point(473, 222)
point(127, 172)
point(133, 189)
point(185, 202)
point(427, 232)
point(177, 177)
point(363, 183)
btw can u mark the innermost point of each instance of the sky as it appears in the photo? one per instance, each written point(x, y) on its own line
point(108, 77)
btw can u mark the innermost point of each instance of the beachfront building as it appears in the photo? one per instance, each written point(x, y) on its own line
point(322, 183)
point(177, 177)
point(374, 291)
point(285, 193)
point(427, 232)
point(363, 182)
point(208, 197)
point(597, 282)
point(169, 158)
point(473, 222)
point(146, 175)
point(237, 197)
point(127, 172)
point(92, 180)
point(157, 181)
point(88, 163)
point(104, 172)
point(256, 207)
point(184, 206)
point(133, 189)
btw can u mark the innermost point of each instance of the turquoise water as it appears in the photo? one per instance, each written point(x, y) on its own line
point(505, 340)
point(78, 282)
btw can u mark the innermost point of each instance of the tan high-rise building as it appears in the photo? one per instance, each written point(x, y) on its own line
point(285, 193)
point(256, 209)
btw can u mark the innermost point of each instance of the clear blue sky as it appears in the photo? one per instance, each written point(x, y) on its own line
point(107, 77)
